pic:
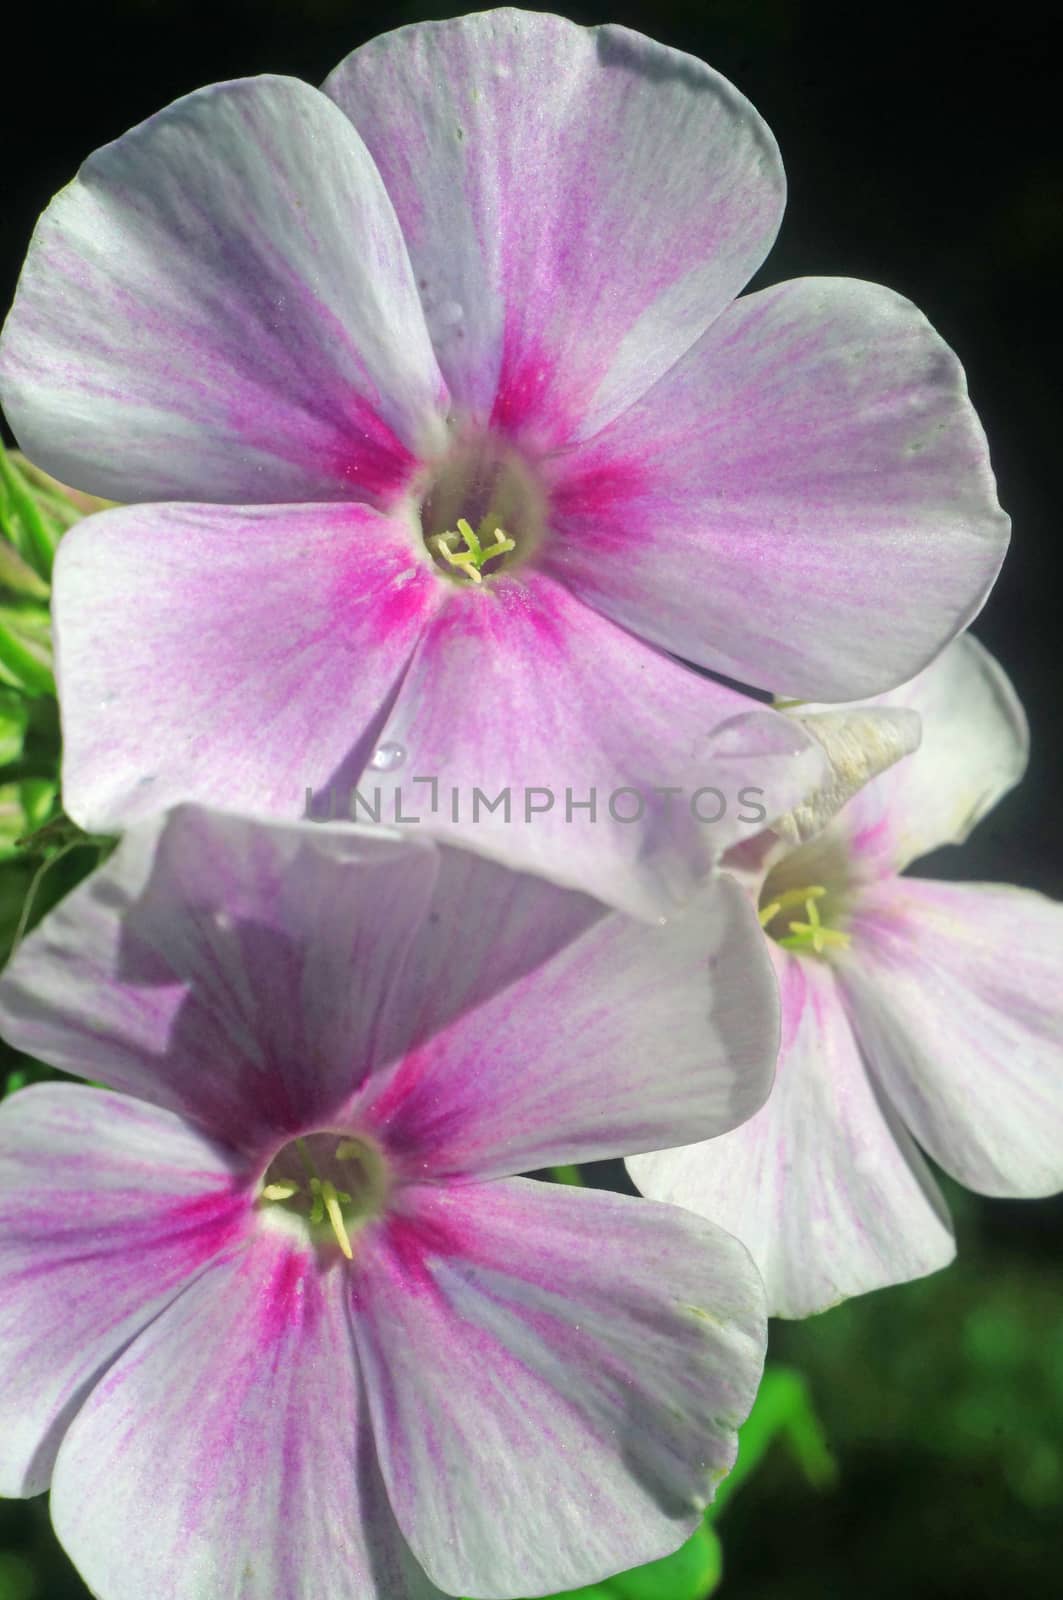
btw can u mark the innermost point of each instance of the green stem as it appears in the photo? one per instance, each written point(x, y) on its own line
point(34, 885)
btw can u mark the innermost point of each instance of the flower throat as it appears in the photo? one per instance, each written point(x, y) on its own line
point(482, 511)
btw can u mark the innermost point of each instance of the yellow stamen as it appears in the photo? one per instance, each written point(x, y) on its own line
point(475, 554)
point(812, 933)
point(791, 897)
point(332, 1198)
point(325, 1206)
point(280, 1191)
point(813, 927)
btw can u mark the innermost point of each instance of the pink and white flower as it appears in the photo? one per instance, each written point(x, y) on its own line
point(915, 1015)
point(439, 432)
point(274, 1320)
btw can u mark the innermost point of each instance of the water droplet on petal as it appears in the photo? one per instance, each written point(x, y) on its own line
point(386, 757)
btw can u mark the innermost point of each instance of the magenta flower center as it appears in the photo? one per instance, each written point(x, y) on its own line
point(482, 509)
point(330, 1184)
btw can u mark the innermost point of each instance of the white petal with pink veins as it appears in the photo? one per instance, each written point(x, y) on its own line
point(581, 1356)
point(109, 1209)
point(221, 307)
point(238, 656)
point(956, 996)
point(578, 204)
point(627, 1037)
point(804, 502)
point(229, 1451)
point(823, 1185)
point(627, 773)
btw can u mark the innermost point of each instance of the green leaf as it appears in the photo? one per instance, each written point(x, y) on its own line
point(39, 797)
point(35, 512)
point(24, 806)
point(782, 1410)
point(18, 577)
point(18, 1580)
point(568, 1175)
point(12, 820)
point(24, 523)
point(16, 876)
point(63, 505)
point(26, 649)
point(690, 1574)
point(14, 720)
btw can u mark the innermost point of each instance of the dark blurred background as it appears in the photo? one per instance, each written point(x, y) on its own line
point(923, 149)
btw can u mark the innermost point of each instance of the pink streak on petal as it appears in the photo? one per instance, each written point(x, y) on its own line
point(288, 1297)
point(654, 1031)
point(229, 1453)
point(234, 656)
point(529, 400)
point(578, 204)
point(414, 1236)
point(818, 515)
point(553, 1341)
point(382, 588)
point(585, 488)
point(109, 1208)
point(374, 465)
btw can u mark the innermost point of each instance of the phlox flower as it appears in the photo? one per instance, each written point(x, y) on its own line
point(274, 1321)
point(916, 1015)
point(440, 434)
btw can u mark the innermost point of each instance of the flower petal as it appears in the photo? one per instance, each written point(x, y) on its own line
point(803, 503)
point(628, 1038)
point(578, 204)
point(823, 1187)
point(483, 929)
point(253, 977)
point(956, 997)
point(229, 971)
point(974, 749)
point(555, 1378)
point(624, 779)
point(221, 307)
point(239, 657)
point(108, 1210)
point(860, 743)
point(228, 1451)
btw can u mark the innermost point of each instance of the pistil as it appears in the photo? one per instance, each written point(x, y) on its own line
point(476, 552)
point(812, 933)
point(321, 1200)
point(327, 1200)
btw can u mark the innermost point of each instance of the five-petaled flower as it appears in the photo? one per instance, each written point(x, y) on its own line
point(440, 430)
point(909, 1008)
point(273, 1320)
